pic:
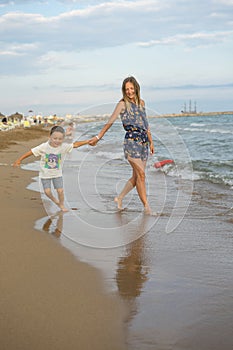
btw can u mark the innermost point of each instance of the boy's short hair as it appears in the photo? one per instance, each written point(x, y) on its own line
point(57, 128)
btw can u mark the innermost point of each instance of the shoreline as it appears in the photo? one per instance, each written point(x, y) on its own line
point(49, 299)
point(165, 115)
point(187, 114)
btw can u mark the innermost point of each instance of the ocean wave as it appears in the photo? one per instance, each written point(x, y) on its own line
point(110, 155)
point(184, 172)
point(217, 131)
point(207, 171)
point(198, 124)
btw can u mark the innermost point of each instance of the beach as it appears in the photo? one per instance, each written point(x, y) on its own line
point(96, 278)
point(49, 300)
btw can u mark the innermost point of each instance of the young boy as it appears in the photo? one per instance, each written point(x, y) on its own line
point(52, 155)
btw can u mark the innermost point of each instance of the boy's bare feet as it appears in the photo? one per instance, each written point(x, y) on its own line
point(61, 206)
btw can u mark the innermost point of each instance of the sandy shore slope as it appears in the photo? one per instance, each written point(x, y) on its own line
point(48, 299)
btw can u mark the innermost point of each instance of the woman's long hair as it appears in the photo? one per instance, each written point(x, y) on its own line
point(127, 101)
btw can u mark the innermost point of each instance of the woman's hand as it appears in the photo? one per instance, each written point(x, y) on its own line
point(152, 148)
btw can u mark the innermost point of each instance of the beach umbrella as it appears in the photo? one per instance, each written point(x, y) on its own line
point(16, 115)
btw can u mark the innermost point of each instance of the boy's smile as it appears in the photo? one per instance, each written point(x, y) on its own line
point(56, 139)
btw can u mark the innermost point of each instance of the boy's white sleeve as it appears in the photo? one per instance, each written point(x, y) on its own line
point(38, 150)
point(69, 147)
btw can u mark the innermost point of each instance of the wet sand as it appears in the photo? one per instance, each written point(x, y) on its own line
point(176, 280)
point(49, 300)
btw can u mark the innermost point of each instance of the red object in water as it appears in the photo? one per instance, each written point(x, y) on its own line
point(163, 162)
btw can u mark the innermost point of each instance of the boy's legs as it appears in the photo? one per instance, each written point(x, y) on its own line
point(60, 193)
point(47, 190)
point(58, 185)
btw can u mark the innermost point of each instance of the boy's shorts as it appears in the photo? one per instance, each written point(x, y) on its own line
point(57, 182)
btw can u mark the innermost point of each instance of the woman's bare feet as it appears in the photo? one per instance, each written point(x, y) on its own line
point(119, 203)
point(148, 211)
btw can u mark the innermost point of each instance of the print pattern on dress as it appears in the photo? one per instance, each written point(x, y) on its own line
point(136, 139)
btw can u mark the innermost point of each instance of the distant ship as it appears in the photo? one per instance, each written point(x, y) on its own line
point(190, 111)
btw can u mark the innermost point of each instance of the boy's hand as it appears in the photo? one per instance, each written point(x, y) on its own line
point(16, 163)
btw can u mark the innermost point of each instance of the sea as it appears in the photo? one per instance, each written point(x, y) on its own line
point(173, 270)
point(201, 146)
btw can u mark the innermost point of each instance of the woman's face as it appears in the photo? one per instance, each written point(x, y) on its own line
point(129, 90)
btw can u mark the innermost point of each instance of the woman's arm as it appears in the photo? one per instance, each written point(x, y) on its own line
point(108, 125)
point(152, 148)
point(24, 156)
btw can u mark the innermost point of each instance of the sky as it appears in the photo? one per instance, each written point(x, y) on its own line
point(67, 56)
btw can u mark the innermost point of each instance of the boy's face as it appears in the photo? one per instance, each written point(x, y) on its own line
point(56, 139)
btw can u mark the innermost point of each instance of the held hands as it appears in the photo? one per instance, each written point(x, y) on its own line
point(93, 141)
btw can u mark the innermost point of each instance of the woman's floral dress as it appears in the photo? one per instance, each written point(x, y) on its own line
point(136, 126)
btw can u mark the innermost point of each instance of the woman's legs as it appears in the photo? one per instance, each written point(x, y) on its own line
point(139, 167)
point(138, 180)
point(130, 184)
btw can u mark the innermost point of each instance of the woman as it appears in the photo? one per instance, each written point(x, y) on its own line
point(137, 138)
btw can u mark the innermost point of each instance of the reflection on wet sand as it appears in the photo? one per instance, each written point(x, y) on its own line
point(54, 224)
point(131, 267)
point(132, 271)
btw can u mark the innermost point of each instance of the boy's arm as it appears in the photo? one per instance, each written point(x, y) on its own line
point(77, 144)
point(24, 156)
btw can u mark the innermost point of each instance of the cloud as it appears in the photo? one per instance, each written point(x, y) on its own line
point(18, 2)
point(191, 40)
point(91, 26)
point(191, 87)
point(108, 24)
point(224, 2)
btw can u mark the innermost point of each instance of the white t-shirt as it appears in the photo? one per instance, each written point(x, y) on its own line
point(52, 159)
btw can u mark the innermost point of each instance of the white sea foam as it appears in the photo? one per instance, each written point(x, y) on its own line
point(198, 124)
point(185, 173)
point(219, 131)
point(110, 155)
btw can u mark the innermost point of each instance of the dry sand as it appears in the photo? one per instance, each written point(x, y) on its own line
point(48, 299)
